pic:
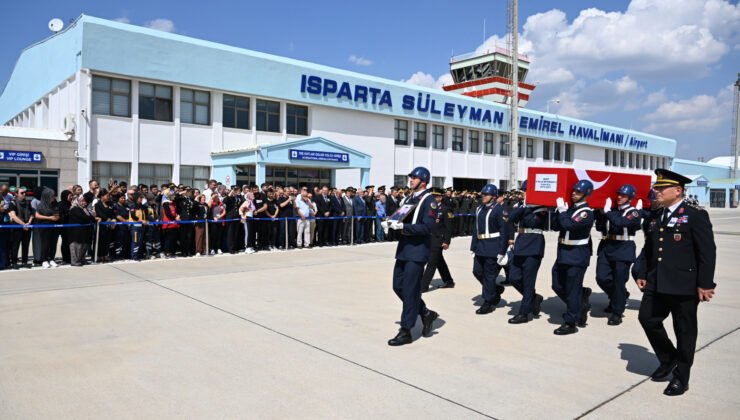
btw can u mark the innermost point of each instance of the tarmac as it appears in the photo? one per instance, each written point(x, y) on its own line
point(302, 334)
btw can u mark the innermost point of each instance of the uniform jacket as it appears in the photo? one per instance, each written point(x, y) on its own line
point(490, 219)
point(530, 217)
point(444, 219)
point(679, 254)
point(620, 222)
point(574, 225)
point(414, 243)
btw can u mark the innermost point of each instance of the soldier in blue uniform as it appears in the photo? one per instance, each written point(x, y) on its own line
point(573, 256)
point(488, 245)
point(529, 248)
point(616, 251)
point(412, 253)
point(676, 273)
point(441, 238)
point(647, 215)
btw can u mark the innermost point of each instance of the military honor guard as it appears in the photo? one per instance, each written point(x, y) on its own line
point(573, 256)
point(441, 238)
point(488, 246)
point(676, 272)
point(616, 251)
point(412, 254)
point(529, 248)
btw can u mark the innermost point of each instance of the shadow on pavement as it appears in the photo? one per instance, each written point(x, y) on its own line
point(639, 359)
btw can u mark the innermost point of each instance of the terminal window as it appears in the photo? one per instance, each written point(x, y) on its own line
point(438, 137)
point(474, 141)
point(621, 159)
point(268, 116)
point(546, 150)
point(106, 172)
point(195, 176)
point(488, 144)
point(557, 151)
point(111, 96)
point(195, 107)
point(457, 139)
point(155, 102)
point(151, 174)
point(530, 148)
point(606, 157)
point(614, 158)
point(504, 145)
point(568, 152)
point(297, 119)
point(236, 112)
point(401, 132)
point(519, 151)
point(420, 134)
point(400, 180)
point(438, 181)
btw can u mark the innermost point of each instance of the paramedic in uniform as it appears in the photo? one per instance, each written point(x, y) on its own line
point(412, 253)
point(676, 273)
point(573, 256)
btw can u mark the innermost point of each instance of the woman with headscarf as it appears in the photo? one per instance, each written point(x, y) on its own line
point(104, 213)
point(65, 204)
point(79, 237)
point(200, 212)
point(47, 213)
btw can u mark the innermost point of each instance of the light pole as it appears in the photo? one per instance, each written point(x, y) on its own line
point(556, 100)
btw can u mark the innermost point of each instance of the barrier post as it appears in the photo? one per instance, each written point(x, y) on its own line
point(97, 241)
point(205, 221)
point(286, 233)
point(351, 230)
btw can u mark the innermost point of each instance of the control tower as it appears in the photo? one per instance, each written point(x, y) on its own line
point(487, 75)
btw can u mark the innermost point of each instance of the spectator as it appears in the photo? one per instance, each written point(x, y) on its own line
point(65, 205)
point(337, 211)
point(104, 213)
point(303, 209)
point(246, 212)
point(170, 230)
point(286, 203)
point(216, 213)
point(360, 208)
point(348, 223)
point(201, 213)
point(47, 212)
point(79, 237)
point(379, 217)
point(20, 213)
point(272, 212)
point(122, 247)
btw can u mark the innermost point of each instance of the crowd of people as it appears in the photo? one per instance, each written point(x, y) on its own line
point(136, 222)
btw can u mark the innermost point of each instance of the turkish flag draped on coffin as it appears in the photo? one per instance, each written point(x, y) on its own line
point(545, 185)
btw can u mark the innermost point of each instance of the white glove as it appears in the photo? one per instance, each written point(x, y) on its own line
point(608, 205)
point(472, 254)
point(396, 225)
point(561, 205)
point(384, 225)
point(500, 258)
point(639, 204)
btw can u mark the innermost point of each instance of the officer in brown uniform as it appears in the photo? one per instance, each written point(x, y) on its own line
point(676, 273)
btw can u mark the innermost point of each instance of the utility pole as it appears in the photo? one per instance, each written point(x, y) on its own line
point(736, 141)
point(514, 155)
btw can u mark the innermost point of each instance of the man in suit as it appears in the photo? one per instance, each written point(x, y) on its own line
point(391, 205)
point(349, 212)
point(337, 210)
point(676, 272)
point(323, 224)
point(360, 207)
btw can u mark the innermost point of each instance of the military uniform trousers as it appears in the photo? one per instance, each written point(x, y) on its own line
point(567, 283)
point(654, 309)
point(612, 276)
point(523, 276)
point(486, 270)
point(407, 285)
point(436, 262)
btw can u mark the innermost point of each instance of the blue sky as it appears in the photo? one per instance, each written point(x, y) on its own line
point(661, 66)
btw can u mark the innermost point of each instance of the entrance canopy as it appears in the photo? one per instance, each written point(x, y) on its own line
point(314, 152)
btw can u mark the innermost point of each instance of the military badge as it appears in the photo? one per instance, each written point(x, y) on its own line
point(677, 237)
point(680, 211)
point(433, 205)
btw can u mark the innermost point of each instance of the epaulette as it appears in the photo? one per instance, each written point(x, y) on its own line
point(695, 206)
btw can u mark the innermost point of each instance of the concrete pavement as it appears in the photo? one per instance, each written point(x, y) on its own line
point(303, 334)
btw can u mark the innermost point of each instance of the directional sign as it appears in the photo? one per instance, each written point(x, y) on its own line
point(20, 156)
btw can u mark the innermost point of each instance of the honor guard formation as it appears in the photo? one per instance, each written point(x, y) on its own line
point(675, 268)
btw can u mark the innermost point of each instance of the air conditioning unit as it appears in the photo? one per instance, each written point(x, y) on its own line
point(69, 124)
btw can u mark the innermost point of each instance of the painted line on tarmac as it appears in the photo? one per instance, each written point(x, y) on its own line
point(648, 378)
point(87, 286)
point(305, 343)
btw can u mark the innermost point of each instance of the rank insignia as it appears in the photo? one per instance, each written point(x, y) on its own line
point(433, 205)
point(677, 237)
point(680, 211)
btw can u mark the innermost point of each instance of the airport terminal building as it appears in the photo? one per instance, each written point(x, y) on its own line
point(146, 106)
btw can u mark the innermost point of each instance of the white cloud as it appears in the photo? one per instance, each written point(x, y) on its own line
point(698, 114)
point(360, 61)
point(122, 20)
point(584, 98)
point(164, 25)
point(427, 80)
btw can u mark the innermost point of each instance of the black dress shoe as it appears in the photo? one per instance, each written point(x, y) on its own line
point(427, 320)
point(447, 285)
point(499, 290)
point(425, 289)
point(537, 306)
point(519, 319)
point(663, 372)
point(675, 387)
point(486, 308)
point(615, 319)
point(566, 329)
point(403, 337)
point(585, 307)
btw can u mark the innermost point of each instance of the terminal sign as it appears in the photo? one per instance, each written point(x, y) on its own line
point(20, 156)
point(296, 154)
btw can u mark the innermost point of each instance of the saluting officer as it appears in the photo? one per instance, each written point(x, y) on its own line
point(412, 253)
point(441, 237)
point(573, 256)
point(616, 251)
point(647, 215)
point(529, 248)
point(676, 273)
point(488, 245)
